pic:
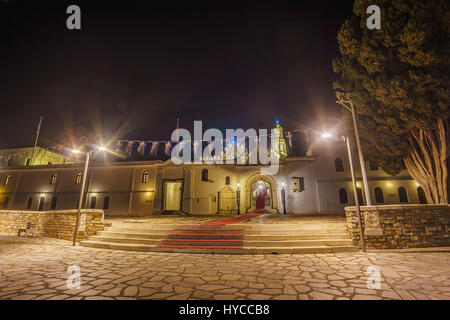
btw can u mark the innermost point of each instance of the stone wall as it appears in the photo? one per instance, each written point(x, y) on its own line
point(55, 223)
point(401, 226)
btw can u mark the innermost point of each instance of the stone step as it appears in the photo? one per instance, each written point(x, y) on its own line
point(252, 231)
point(306, 236)
point(126, 240)
point(309, 236)
point(223, 242)
point(295, 232)
point(244, 250)
point(206, 236)
point(297, 243)
point(202, 242)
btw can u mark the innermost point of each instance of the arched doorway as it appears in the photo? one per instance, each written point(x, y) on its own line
point(261, 193)
point(227, 200)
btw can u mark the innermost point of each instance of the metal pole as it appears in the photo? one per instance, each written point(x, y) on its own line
point(36, 140)
point(361, 158)
point(358, 211)
point(80, 202)
point(238, 201)
point(283, 199)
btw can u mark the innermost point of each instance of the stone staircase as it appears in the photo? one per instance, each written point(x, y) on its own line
point(252, 238)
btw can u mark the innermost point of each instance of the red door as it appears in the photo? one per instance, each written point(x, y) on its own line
point(261, 199)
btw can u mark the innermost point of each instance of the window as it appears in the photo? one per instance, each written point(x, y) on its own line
point(402, 194)
point(8, 163)
point(421, 194)
point(78, 178)
point(379, 197)
point(78, 203)
point(5, 203)
point(205, 175)
point(106, 203)
point(302, 184)
point(29, 203)
point(50, 163)
point(339, 165)
point(343, 198)
point(144, 176)
point(373, 166)
point(53, 179)
point(93, 202)
point(54, 201)
point(28, 162)
point(227, 180)
point(6, 180)
point(360, 196)
point(41, 204)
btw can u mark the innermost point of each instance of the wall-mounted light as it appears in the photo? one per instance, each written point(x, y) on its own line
point(389, 184)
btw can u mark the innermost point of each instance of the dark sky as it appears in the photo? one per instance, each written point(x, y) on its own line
point(137, 65)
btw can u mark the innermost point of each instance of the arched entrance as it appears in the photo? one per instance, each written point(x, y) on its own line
point(261, 193)
point(227, 200)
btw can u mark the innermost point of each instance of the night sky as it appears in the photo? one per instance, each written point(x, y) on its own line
point(135, 66)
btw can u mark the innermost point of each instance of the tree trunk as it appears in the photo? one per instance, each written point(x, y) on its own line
point(427, 163)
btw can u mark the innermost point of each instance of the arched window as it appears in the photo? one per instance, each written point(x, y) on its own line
point(339, 165)
point(360, 196)
point(106, 203)
point(205, 175)
point(53, 179)
point(93, 202)
point(54, 201)
point(421, 194)
point(144, 176)
point(29, 203)
point(373, 166)
point(78, 178)
point(41, 204)
point(227, 180)
point(379, 197)
point(28, 162)
point(6, 180)
point(5, 203)
point(402, 195)
point(343, 197)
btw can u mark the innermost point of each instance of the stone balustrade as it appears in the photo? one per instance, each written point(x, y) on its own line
point(55, 223)
point(401, 226)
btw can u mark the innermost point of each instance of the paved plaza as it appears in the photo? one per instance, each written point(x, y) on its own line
point(37, 269)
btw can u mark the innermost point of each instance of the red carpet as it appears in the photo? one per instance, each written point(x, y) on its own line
point(213, 237)
point(235, 220)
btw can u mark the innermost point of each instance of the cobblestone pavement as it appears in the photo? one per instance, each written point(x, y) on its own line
point(37, 269)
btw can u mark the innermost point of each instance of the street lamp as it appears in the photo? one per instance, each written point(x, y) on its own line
point(238, 199)
point(345, 100)
point(83, 184)
point(358, 210)
point(283, 197)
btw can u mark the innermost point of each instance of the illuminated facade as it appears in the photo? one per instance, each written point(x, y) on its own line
point(317, 183)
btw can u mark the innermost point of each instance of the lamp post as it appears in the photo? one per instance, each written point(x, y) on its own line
point(355, 191)
point(283, 197)
point(238, 199)
point(83, 184)
point(345, 100)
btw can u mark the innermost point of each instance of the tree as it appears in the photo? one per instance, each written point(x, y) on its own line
point(397, 77)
